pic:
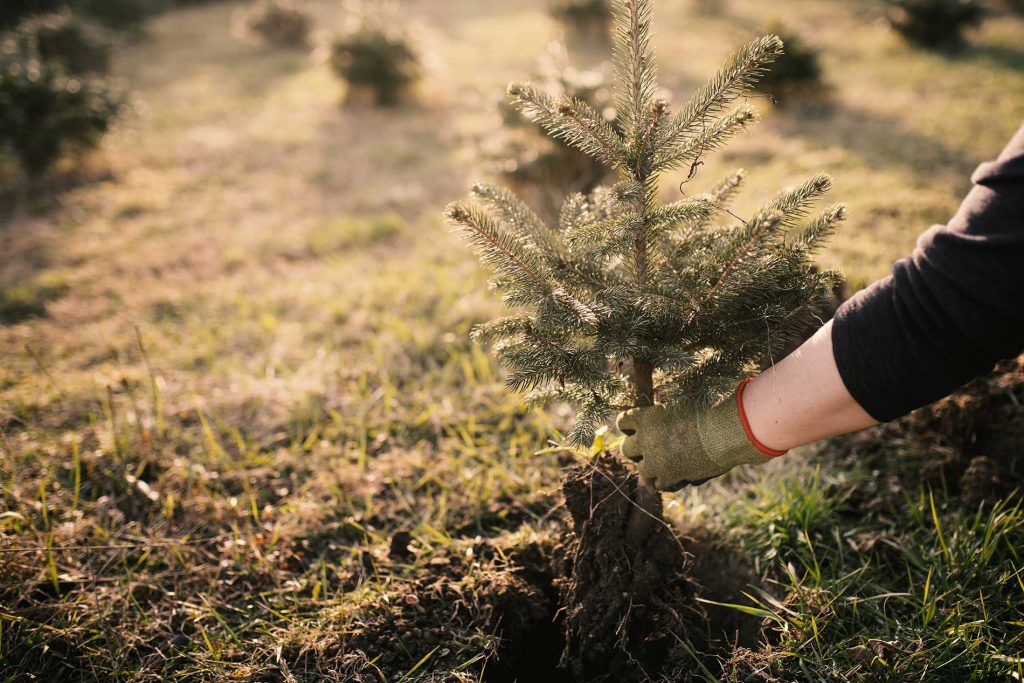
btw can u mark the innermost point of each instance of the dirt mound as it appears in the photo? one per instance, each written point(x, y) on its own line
point(487, 602)
point(631, 609)
point(970, 444)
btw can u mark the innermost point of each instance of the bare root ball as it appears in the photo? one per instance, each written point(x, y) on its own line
point(631, 612)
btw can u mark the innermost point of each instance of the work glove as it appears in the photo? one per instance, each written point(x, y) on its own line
point(677, 447)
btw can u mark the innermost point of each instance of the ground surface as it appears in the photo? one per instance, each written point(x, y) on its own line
point(244, 435)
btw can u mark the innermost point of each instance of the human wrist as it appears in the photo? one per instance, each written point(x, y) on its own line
point(802, 398)
point(748, 430)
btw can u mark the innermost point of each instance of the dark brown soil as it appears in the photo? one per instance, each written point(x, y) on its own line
point(722, 574)
point(492, 599)
point(630, 606)
point(613, 598)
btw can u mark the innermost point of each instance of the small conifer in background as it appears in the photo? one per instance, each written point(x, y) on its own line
point(45, 113)
point(64, 38)
point(539, 168)
point(375, 55)
point(120, 15)
point(796, 70)
point(935, 23)
point(583, 20)
point(710, 6)
point(13, 12)
point(280, 23)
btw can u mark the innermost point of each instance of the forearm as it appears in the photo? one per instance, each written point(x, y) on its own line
point(802, 399)
point(951, 310)
point(948, 313)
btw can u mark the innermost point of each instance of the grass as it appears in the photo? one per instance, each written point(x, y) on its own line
point(236, 367)
point(924, 589)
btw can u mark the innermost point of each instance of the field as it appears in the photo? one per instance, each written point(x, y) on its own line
point(244, 434)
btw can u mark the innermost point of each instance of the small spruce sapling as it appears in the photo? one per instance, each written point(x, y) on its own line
point(280, 23)
point(45, 113)
point(583, 20)
point(13, 12)
point(374, 54)
point(64, 38)
point(120, 15)
point(628, 300)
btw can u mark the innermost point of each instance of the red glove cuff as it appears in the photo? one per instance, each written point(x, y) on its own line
point(770, 452)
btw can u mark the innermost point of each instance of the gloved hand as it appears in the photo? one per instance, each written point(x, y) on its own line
point(677, 447)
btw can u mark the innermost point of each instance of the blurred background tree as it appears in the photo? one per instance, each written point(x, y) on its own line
point(539, 168)
point(78, 45)
point(45, 113)
point(709, 6)
point(584, 23)
point(796, 71)
point(280, 23)
point(374, 55)
point(935, 23)
point(120, 15)
point(14, 11)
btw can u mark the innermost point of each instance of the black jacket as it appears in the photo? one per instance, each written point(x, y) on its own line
point(951, 310)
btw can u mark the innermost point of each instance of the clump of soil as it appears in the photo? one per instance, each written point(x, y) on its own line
point(499, 602)
point(630, 609)
point(971, 444)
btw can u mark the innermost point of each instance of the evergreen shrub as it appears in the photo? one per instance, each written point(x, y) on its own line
point(935, 23)
point(582, 12)
point(13, 12)
point(63, 38)
point(120, 15)
point(531, 161)
point(710, 6)
point(379, 59)
point(626, 300)
point(45, 113)
point(796, 69)
point(281, 23)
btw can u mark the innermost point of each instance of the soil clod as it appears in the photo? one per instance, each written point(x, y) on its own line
point(629, 603)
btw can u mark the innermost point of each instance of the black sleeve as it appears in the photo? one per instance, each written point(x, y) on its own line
point(951, 310)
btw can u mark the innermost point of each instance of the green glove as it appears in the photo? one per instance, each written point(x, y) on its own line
point(678, 447)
